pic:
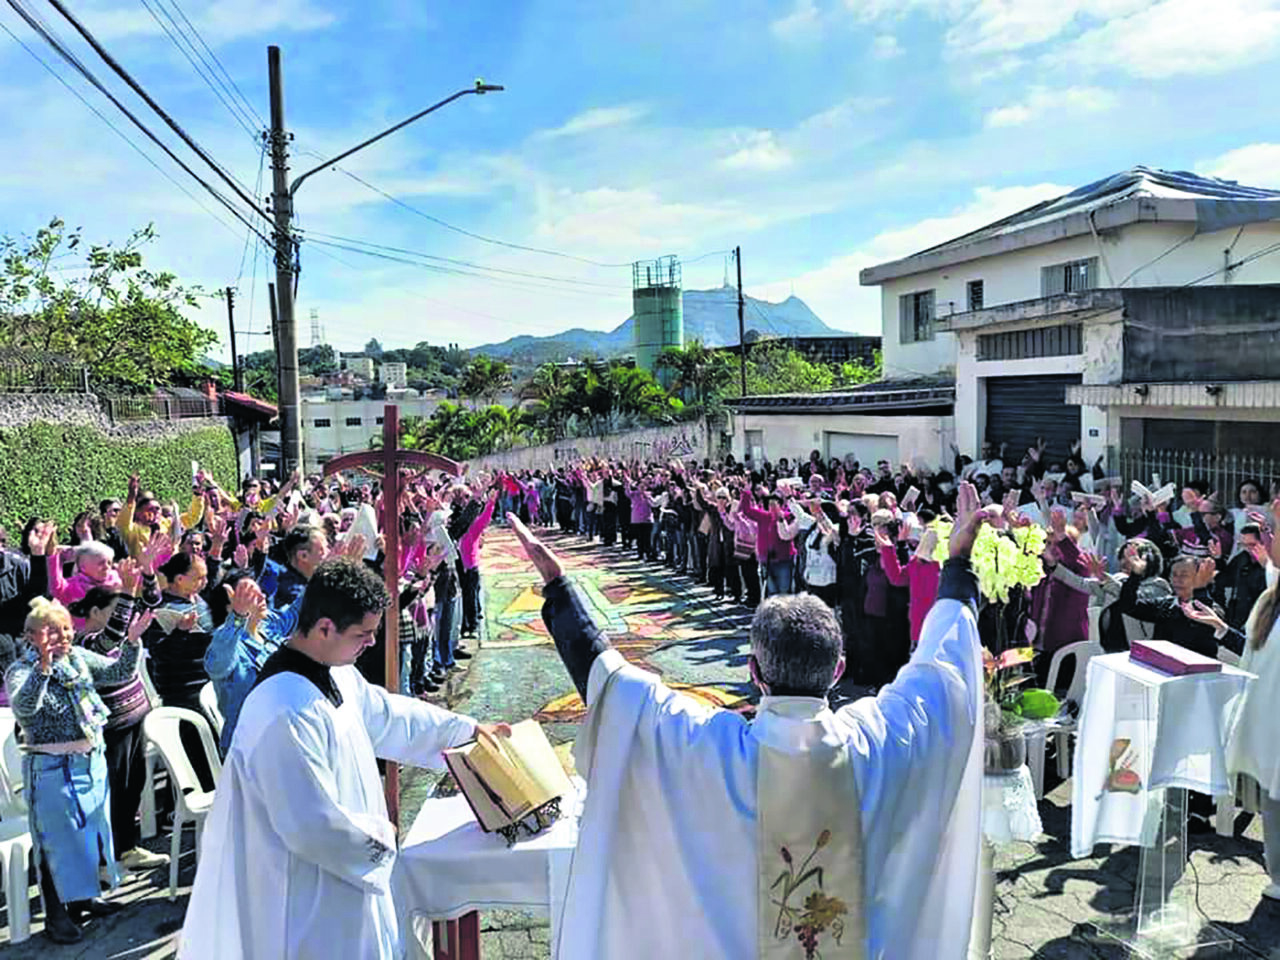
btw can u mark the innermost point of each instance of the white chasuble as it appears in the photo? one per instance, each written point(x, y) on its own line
point(810, 853)
point(298, 853)
point(678, 847)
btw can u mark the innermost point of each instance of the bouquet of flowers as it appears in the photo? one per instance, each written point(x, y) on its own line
point(1001, 559)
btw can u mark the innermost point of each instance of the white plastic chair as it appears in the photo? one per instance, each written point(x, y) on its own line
point(1062, 727)
point(16, 845)
point(209, 707)
point(190, 802)
point(151, 756)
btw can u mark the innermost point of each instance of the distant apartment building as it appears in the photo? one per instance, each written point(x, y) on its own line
point(394, 374)
point(359, 365)
point(334, 425)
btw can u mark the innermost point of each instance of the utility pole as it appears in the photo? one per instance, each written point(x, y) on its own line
point(286, 332)
point(236, 378)
point(742, 336)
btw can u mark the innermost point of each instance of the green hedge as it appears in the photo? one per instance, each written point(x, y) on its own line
point(55, 470)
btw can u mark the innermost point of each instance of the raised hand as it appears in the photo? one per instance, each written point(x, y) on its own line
point(241, 556)
point(969, 520)
point(354, 547)
point(1200, 613)
point(135, 486)
point(243, 596)
point(138, 626)
point(130, 572)
point(1215, 548)
point(1096, 565)
point(544, 561)
point(49, 647)
point(157, 550)
point(188, 621)
point(882, 537)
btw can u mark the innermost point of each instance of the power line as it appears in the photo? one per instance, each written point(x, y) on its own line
point(518, 284)
point(257, 189)
point(137, 88)
point(248, 104)
point(1257, 254)
point(471, 264)
point(80, 68)
point(198, 63)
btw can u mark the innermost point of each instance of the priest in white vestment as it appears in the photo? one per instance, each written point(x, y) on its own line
point(804, 833)
point(297, 852)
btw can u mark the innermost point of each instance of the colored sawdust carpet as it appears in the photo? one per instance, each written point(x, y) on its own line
point(642, 608)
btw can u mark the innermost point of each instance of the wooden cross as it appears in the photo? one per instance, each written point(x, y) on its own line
point(391, 458)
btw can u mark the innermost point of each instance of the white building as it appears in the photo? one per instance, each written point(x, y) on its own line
point(360, 366)
point(394, 374)
point(1132, 313)
point(331, 427)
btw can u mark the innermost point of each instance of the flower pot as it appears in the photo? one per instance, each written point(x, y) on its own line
point(1004, 751)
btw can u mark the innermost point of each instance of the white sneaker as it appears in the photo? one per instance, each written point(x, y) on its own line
point(140, 859)
point(1272, 892)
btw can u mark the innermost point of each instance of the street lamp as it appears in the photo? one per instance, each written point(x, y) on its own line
point(285, 246)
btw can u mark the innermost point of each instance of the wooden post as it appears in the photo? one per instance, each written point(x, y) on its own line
point(391, 458)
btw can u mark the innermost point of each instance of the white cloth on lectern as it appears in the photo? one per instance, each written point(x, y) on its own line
point(667, 857)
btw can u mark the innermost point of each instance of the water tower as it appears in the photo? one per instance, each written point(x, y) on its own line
point(658, 307)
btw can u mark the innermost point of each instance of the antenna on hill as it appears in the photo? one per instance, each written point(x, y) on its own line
point(317, 334)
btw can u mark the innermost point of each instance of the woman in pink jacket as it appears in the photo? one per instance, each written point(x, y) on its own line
point(921, 575)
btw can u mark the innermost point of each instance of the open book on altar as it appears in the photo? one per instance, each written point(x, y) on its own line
point(508, 780)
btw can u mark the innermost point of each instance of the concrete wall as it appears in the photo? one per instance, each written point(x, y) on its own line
point(924, 438)
point(685, 441)
point(1136, 255)
point(85, 409)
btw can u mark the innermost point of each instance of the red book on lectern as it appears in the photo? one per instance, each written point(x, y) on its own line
point(1171, 658)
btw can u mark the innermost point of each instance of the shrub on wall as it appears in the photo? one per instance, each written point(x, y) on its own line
point(55, 470)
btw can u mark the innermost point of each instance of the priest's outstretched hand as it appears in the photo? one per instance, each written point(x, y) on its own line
point(543, 560)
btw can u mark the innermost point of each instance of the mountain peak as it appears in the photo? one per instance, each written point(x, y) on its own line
point(710, 316)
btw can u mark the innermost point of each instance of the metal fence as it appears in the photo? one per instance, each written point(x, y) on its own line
point(41, 376)
point(1224, 472)
point(159, 408)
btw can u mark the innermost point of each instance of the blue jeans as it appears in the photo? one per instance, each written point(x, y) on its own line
point(777, 577)
point(446, 619)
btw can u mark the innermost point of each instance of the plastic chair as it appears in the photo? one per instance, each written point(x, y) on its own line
point(190, 802)
point(16, 845)
point(209, 707)
point(151, 755)
point(1062, 727)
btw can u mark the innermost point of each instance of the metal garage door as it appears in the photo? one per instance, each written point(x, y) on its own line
point(1019, 409)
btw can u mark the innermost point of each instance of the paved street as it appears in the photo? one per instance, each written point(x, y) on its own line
point(666, 623)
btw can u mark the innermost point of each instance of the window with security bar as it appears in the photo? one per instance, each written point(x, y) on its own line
point(1074, 276)
point(915, 316)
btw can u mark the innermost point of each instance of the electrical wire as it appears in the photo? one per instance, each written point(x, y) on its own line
point(137, 88)
point(257, 189)
point(468, 263)
point(248, 104)
point(172, 31)
point(1256, 255)
point(454, 271)
point(70, 58)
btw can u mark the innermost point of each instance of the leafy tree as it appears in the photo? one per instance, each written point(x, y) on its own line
point(701, 375)
point(119, 318)
point(485, 378)
point(373, 349)
point(775, 368)
point(318, 360)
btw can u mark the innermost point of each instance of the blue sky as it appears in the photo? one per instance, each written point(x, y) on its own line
point(821, 135)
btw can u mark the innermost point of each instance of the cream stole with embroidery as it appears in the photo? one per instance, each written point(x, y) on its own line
point(809, 838)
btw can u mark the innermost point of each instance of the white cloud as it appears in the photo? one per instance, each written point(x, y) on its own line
point(1043, 100)
point(1257, 165)
point(597, 118)
point(1180, 37)
point(886, 47)
point(832, 290)
point(759, 152)
point(801, 25)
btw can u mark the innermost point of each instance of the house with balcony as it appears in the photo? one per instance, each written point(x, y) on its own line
point(1139, 314)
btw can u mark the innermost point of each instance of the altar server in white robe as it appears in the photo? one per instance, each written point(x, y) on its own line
point(297, 854)
point(850, 834)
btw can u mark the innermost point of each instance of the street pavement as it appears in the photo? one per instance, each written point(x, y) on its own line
point(1047, 905)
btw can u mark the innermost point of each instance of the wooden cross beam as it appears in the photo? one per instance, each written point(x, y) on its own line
point(391, 458)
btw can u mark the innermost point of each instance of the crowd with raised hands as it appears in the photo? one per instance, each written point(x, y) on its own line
point(143, 604)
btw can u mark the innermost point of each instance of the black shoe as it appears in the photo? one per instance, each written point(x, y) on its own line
point(60, 928)
point(428, 689)
point(461, 654)
point(81, 910)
